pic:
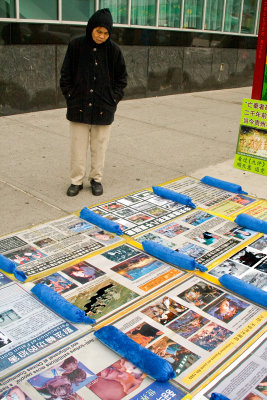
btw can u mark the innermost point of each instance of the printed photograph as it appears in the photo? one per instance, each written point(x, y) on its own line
point(228, 267)
point(171, 230)
point(256, 278)
point(15, 393)
point(156, 211)
point(260, 244)
point(57, 282)
point(99, 211)
point(123, 223)
point(226, 308)
point(262, 387)
point(138, 266)
point(129, 200)
point(44, 242)
point(83, 272)
point(253, 396)
point(8, 316)
point(242, 200)
point(125, 212)
point(121, 253)
point(102, 236)
point(164, 310)
point(248, 257)
point(207, 238)
point(117, 381)
point(188, 324)
point(62, 380)
point(211, 336)
point(197, 218)
point(4, 279)
point(192, 250)
point(80, 226)
point(139, 218)
point(200, 294)
point(101, 299)
point(4, 340)
point(113, 205)
point(178, 356)
point(144, 195)
point(24, 255)
point(144, 333)
point(240, 232)
point(252, 141)
point(157, 239)
point(262, 267)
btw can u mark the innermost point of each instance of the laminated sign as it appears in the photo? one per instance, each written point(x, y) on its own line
point(251, 150)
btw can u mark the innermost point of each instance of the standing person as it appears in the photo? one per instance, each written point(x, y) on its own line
point(93, 77)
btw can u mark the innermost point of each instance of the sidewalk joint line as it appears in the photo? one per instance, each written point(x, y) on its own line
point(31, 195)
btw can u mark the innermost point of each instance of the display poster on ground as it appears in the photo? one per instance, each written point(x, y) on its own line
point(201, 235)
point(47, 246)
point(245, 379)
point(196, 326)
point(106, 283)
point(251, 150)
point(28, 329)
point(248, 264)
point(212, 198)
point(85, 369)
point(138, 212)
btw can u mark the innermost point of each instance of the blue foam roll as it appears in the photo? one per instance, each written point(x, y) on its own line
point(100, 221)
point(170, 256)
point(60, 305)
point(245, 289)
point(218, 396)
point(174, 196)
point(252, 223)
point(10, 267)
point(146, 360)
point(231, 187)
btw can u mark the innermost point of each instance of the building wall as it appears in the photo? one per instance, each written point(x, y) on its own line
point(158, 63)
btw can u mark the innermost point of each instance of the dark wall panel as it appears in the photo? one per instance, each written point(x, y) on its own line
point(30, 73)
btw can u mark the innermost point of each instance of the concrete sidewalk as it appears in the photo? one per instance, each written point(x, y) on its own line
point(153, 140)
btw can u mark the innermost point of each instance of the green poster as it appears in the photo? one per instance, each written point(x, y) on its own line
point(251, 150)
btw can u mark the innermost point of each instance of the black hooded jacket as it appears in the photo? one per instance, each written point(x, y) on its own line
point(93, 76)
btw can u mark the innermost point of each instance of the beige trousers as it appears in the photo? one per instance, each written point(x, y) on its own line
point(81, 136)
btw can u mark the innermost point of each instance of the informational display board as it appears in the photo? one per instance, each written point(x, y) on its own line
point(245, 379)
point(85, 369)
point(185, 317)
point(251, 150)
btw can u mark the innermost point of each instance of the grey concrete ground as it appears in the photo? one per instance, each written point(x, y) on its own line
point(153, 140)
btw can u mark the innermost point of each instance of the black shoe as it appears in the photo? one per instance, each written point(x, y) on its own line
point(73, 190)
point(97, 188)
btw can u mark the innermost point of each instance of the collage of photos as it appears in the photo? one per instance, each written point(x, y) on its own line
point(248, 264)
point(52, 244)
point(84, 369)
point(140, 211)
point(245, 378)
point(103, 284)
point(189, 322)
point(210, 197)
point(199, 235)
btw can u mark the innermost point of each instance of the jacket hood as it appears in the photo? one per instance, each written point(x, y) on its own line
point(99, 18)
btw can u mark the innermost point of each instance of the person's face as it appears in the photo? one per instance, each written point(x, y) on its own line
point(111, 374)
point(100, 34)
